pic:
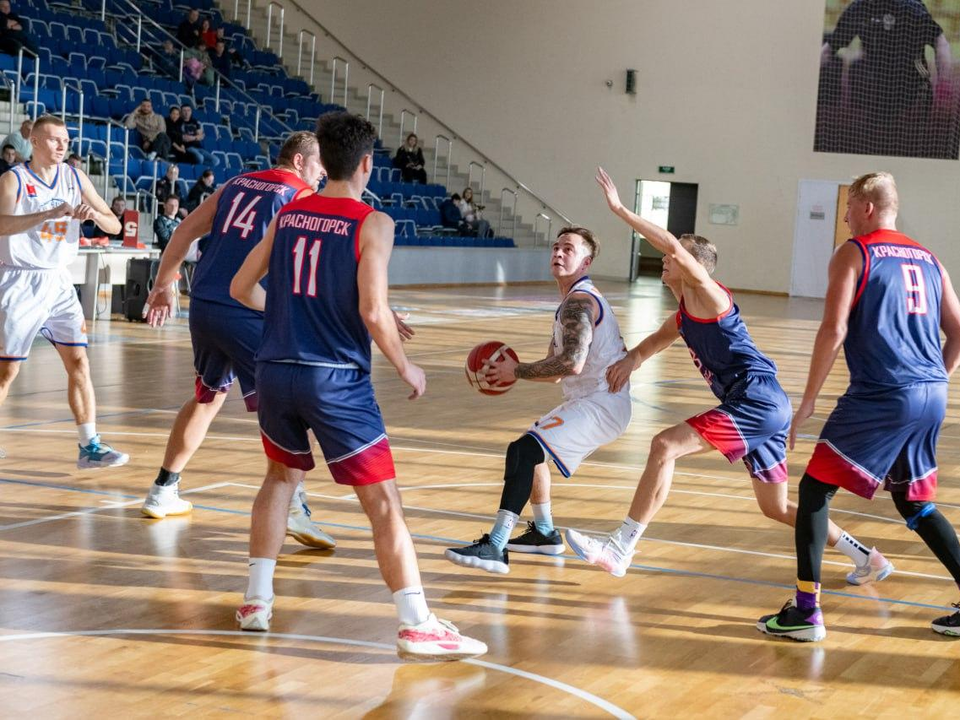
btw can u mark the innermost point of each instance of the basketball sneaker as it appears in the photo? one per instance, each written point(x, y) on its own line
point(794, 623)
point(875, 569)
point(99, 455)
point(302, 529)
point(163, 500)
point(436, 639)
point(948, 624)
point(606, 554)
point(534, 541)
point(482, 554)
point(255, 614)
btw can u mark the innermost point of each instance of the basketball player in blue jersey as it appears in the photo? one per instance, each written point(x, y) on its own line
point(888, 298)
point(751, 422)
point(224, 333)
point(326, 295)
point(42, 203)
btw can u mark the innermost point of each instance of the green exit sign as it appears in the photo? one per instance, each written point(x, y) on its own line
point(667, 169)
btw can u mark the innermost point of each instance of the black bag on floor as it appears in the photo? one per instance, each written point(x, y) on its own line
point(141, 272)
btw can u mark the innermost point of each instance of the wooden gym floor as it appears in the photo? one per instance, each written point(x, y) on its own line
point(103, 611)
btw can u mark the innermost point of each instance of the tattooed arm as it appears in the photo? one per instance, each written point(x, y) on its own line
point(576, 317)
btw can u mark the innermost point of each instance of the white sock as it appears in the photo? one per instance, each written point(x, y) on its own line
point(500, 534)
point(86, 433)
point(261, 578)
point(852, 549)
point(629, 533)
point(542, 517)
point(411, 605)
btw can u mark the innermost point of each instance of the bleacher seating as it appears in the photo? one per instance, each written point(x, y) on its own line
point(80, 52)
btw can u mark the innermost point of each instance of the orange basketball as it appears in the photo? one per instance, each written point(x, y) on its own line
point(490, 350)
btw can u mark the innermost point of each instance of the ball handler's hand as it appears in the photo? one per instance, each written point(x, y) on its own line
point(802, 415)
point(84, 212)
point(159, 306)
point(500, 371)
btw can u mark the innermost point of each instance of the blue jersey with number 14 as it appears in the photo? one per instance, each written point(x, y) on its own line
point(893, 336)
point(247, 205)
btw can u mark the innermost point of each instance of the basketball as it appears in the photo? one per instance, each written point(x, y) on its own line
point(473, 368)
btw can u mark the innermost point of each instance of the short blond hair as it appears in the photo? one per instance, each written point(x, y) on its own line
point(47, 120)
point(878, 188)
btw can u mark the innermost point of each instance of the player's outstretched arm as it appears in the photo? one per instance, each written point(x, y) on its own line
point(11, 224)
point(657, 341)
point(950, 323)
point(663, 240)
point(376, 245)
point(245, 287)
point(195, 225)
point(845, 267)
point(93, 207)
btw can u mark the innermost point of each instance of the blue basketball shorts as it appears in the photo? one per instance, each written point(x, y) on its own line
point(886, 436)
point(339, 406)
point(225, 342)
point(751, 424)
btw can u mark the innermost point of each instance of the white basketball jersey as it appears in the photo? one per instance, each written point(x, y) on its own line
point(51, 244)
point(607, 347)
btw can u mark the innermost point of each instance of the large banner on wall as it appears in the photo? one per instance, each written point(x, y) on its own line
point(889, 78)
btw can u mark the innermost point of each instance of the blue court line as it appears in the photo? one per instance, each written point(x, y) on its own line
point(435, 538)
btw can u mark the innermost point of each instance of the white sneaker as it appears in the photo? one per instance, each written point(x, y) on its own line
point(436, 639)
point(306, 532)
point(255, 614)
point(163, 500)
point(100, 455)
point(606, 554)
point(875, 569)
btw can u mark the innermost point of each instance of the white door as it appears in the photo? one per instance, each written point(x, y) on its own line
point(813, 237)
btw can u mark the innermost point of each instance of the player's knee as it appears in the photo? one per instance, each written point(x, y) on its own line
point(8, 371)
point(662, 447)
point(774, 509)
point(523, 453)
point(78, 366)
point(913, 511)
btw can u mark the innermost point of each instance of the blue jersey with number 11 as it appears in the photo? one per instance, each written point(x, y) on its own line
point(247, 205)
point(893, 336)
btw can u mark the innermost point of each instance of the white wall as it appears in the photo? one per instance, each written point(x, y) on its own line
point(726, 93)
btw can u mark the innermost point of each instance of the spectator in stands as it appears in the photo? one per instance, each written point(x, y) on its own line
point(153, 130)
point(12, 34)
point(21, 141)
point(8, 158)
point(471, 214)
point(168, 60)
point(167, 187)
point(75, 161)
point(450, 215)
point(178, 151)
point(166, 222)
point(118, 207)
point(235, 57)
point(220, 59)
point(196, 65)
point(188, 32)
point(193, 137)
point(409, 160)
point(204, 188)
point(208, 34)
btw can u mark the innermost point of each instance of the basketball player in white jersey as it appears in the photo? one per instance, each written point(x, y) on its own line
point(42, 203)
point(586, 341)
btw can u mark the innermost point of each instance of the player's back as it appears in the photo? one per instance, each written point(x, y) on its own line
point(313, 303)
point(245, 208)
point(893, 333)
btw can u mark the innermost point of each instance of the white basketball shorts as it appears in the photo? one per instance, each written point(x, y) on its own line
point(38, 301)
point(572, 431)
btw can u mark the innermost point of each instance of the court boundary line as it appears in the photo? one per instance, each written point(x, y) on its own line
point(572, 690)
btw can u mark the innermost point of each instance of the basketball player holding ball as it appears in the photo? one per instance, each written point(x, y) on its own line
point(586, 341)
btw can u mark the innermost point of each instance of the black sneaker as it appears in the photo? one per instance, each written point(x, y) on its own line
point(948, 624)
point(534, 541)
point(794, 623)
point(482, 554)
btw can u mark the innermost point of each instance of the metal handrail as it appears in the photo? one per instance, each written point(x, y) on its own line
point(313, 53)
point(333, 79)
point(236, 11)
point(436, 156)
point(536, 228)
point(36, 78)
point(11, 88)
point(403, 118)
point(270, 7)
point(106, 160)
point(483, 172)
point(502, 207)
point(294, 5)
point(63, 109)
point(370, 88)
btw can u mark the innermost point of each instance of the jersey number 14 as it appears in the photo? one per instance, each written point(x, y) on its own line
point(245, 220)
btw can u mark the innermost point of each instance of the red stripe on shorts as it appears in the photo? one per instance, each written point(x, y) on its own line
point(297, 461)
point(828, 466)
point(719, 429)
point(371, 465)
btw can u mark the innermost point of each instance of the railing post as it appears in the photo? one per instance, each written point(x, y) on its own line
point(270, 27)
point(403, 117)
point(536, 228)
point(369, 98)
point(19, 71)
point(249, 7)
point(153, 189)
point(483, 172)
point(313, 53)
point(63, 103)
point(106, 161)
point(181, 65)
point(216, 101)
point(103, 10)
point(436, 156)
point(280, 49)
point(126, 158)
point(256, 126)
point(139, 30)
point(236, 10)
point(80, 124)
point(333, 79)
point(502, 207)
point(36, 85)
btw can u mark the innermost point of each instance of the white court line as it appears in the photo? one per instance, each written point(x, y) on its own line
point(588, 697)
point(489, 518)
point(109, 506)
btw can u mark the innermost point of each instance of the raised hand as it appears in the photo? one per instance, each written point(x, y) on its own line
point(609, 190)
